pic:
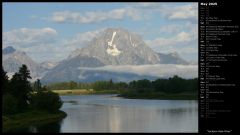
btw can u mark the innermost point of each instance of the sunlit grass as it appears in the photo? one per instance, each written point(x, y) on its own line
point(85, 92)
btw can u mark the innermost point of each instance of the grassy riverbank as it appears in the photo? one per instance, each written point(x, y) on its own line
point(160, 96)
point(132, 95)
point(85, 92)
point(22, 120)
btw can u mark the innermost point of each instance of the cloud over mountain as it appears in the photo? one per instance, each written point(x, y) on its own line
point(94, 16)
point(157, 70)
point(29, 37)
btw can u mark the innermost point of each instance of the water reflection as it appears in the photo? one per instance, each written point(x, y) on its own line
point(106, 113)
point(102, 114)
point(53, 127)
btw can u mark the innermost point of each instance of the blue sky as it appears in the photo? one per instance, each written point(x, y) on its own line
point(51, 31)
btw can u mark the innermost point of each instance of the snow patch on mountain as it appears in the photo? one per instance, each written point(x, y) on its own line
point(81, 75)
point(134, 45)
point(112, 49)
point(118, 54)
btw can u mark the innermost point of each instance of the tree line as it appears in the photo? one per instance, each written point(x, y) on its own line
point(19, 95)
point(173, 84)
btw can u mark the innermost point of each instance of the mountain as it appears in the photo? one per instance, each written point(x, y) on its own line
point(114, 46)
point(68, 69)
point(172, 58)
point(49, 64)
point(80, 75)
point(117, 46)
point(8, 50)
point(13, 59)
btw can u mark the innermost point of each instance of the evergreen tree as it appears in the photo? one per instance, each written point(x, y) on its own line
point(20, 87)
point(4, 82)
point(48, 101)
point(111, 84)
point(72, 85)
point(37, 86)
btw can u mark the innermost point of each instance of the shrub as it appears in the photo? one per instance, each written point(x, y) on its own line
point(48, 101)
point(10, 105)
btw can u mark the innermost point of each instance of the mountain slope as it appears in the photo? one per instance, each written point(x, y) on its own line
point(114, 46)
point(172, 58)
point(13, 59)
point(8, 50)
point(49, 64)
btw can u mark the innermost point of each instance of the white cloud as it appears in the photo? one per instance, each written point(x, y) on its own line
point(158, 70)
point(94, 16)
point(37, 43)
point(147, 5)
point(180, 12)
point(184, 12)
point(171, 11)
point(134, 11)
point(25, 37)
point(183, 37)
point(81, 39)
point(170, 29)
point(174, 40)
point(42, 44)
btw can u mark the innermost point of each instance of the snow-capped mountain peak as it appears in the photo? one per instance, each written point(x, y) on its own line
point(118, 46)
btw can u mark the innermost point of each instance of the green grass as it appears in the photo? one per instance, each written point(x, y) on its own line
point(132, 94)
point(106, 92)
point(73, 92)
point(84, 92)
point(22, 120)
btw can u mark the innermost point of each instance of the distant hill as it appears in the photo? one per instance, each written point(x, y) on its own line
point(13, 59)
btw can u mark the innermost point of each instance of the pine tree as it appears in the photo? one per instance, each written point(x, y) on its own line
point(4, 82)
point(20, 87)
point(37, 86)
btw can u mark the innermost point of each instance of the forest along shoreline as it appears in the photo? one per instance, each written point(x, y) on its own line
point(173, 88)
point(26, 104)
point(150, 95)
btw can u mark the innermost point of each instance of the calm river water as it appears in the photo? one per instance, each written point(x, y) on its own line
point(107, 113)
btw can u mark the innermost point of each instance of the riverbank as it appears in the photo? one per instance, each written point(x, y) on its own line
point(22, 120)
point(160, 96)
point(132, 95)
point(84, 92)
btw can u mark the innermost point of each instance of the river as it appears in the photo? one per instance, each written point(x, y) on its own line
point(108, 113)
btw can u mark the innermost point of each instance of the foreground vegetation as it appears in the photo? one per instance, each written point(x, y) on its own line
point(24, 103)
point(22, 120)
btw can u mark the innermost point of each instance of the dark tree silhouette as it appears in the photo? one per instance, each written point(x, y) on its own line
point(19, 96)
point(4, 81)
point(48, 101)
point(20, 87)
point(37, 86)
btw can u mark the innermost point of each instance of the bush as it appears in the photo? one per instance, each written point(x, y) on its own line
point(10, 105)
point(48, 101)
